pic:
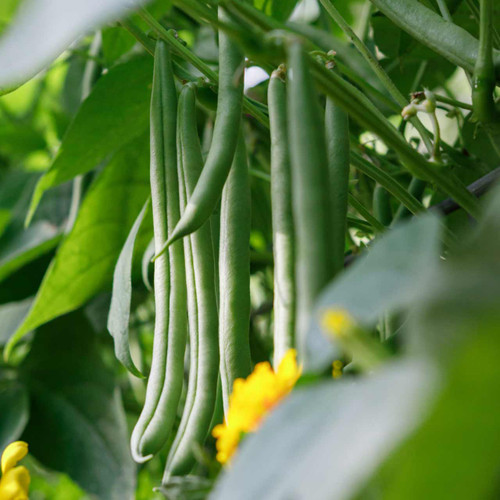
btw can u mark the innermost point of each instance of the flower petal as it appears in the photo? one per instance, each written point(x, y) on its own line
point(12, 454)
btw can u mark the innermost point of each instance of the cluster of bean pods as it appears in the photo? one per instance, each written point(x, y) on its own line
point(202, 286)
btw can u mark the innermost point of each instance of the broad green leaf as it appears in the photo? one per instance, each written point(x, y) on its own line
point(429, 28)
point(43, 29)
point(456, 452)
point(26, 245)
point(279, 9)
point(115, 43)
point(11, 317)
point(14, 411)
point(395, 43)
point(15, 190)
point(325, 441)
point(115, 112)
point(77, 423)
point(5, 216)
point(119, 312)
point(384, 279)
point(464, 290)
point(19, 246)
point(85, 260)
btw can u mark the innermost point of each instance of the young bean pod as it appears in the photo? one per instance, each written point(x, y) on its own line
point(382, 205)
point(310, 189)
point(234, 275)
point(416, 189)
point(337, 142)
point(165, 381)
point(282, 218)
point(225, 137)
point(202, 305)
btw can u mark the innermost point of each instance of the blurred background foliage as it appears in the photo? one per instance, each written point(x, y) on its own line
point(427, 425)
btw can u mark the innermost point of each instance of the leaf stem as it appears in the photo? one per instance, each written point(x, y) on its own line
point(484, 70)
point(169, 37)
point(365, 213)
point(376, 67)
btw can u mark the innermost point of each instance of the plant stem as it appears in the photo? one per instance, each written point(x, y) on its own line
point(387, 182)
point(358, 106)
point(169, 37)
point(475, 13)
point(364, 212)
point(484, 70)
point(376, 67)
point(436, 152)
point(445, 12)
point(453, 102)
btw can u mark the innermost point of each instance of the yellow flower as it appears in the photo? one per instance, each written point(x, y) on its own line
point(337, 322)
point(15, 481)
point(252, 398)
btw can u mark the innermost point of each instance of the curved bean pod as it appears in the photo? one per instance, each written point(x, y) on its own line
point(165, 381)
point(202, 305)
point(283, 230)
point(225, 137)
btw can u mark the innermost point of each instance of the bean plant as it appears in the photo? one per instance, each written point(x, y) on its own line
point(249, 249)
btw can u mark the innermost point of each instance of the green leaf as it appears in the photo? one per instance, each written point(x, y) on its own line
point(11, 317)
point(456, 453)
point(77, 422)
point(119, 312)
point(386, 278)
point(325, 441)
point(27, 245)
point(115, 112)
point(41, 31)
point(85, 260)
point(14, 412)
point(279, 9)
point(115, 43)
point(464, 291)
point(429, 28)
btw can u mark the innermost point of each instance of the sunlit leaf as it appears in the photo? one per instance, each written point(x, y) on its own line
point(115, 112)
point(85, 260)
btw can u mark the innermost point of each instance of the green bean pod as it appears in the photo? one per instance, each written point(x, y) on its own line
point(202, 305)
point(165, 381)
point(416, 189)
point(225, 137)
point(310, 189)
point(337, 143)
point(234, 275)
point(382, 205)
point(282, 218)
point(483, 84)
